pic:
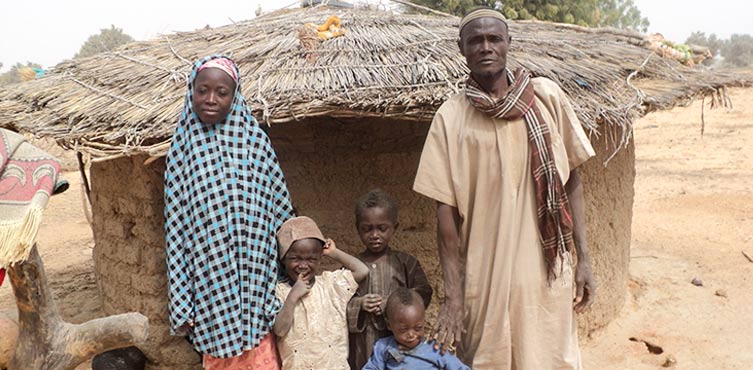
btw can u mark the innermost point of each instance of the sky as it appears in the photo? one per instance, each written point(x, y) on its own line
point(50, 31)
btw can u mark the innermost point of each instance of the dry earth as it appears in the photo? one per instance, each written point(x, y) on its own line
point(693, 218)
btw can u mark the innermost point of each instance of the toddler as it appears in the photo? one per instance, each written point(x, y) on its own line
point(406, 348)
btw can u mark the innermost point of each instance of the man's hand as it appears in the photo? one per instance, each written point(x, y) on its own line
point(301, 288)
point(585, 286)
point(448, 330)
point(372, 303)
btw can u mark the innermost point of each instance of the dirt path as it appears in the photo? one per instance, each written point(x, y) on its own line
point(693, 216)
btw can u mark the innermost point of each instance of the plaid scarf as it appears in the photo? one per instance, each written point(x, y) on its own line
point(27, 180)
point(225, 198)
point(554, 219)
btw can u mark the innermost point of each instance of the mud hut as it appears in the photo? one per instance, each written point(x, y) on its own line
point(345, 115)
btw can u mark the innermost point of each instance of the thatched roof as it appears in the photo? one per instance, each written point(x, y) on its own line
point(388, 65)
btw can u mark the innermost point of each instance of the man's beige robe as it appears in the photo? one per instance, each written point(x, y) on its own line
point(481, 165)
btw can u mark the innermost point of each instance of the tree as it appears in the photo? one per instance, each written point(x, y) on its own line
point(13, 75)
point(620, 14)
point(457, 7)
point(106, 40)
point(593, 13)
point(738, 51)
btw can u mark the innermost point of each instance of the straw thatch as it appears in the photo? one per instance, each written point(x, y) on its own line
point(387, 65)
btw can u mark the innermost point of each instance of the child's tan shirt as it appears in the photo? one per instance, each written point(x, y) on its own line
point(318, 338)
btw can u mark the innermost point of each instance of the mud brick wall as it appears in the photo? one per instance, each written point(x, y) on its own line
point(609, 197)
point(328, 164)
point(129, 253)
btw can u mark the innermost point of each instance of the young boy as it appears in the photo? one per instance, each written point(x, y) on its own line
point(376, 223)
point(406, 349)
point(311, 328)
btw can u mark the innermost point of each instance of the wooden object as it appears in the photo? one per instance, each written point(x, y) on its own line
point(47, 342)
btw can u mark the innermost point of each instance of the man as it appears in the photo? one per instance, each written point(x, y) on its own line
point(499, 160)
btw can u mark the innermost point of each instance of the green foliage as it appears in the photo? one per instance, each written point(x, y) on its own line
point(12, 76)
point(106, 40)
point(591, 13)
point(620, 14)
point(457, 7)
point(738, 51)
point(712, 42)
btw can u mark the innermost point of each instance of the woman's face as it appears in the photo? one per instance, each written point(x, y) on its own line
point(213, 92)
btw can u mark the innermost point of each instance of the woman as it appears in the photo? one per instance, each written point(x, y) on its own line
point(225, 198)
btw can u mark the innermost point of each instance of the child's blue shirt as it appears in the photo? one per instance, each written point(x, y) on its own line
point(387, 356)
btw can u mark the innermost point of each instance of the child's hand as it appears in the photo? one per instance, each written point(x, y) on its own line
point(301, 288)
point(372, 303)
point(329, 247)
point(186, 328)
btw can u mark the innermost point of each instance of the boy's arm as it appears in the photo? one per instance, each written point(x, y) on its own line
point(356, 324)
point(376, 361)
point(451, 362)
point(284, 320)
point(359, 269)
point(417, 280)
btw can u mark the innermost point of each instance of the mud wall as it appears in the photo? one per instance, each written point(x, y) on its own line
point(129, 253)
point(328, 165)
point(609, 216)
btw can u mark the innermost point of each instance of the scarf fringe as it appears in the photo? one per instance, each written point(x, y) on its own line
point(17, 237)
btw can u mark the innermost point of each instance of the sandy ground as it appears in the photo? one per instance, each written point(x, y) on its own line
point(693, 217)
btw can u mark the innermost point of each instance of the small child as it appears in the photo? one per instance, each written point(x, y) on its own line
point(311, 327)
point(406, 349)
point(376, 223)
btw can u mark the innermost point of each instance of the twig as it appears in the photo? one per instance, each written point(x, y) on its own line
point(747, 256)
point(84, 177)
point(703, 121)
point(422, 28)
point(170, 44)
point(116, 97)
point(126, 57)
point(430, 10)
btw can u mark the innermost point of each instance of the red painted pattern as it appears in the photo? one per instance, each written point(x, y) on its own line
point(18, 184)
